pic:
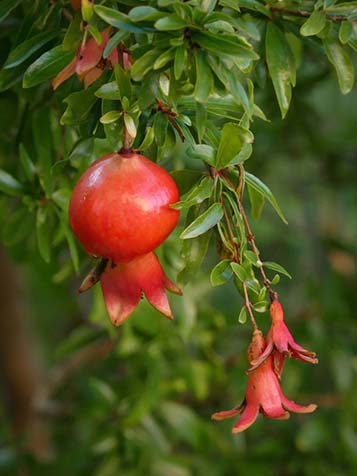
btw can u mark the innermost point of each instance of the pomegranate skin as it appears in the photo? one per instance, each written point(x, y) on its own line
point(119, 208)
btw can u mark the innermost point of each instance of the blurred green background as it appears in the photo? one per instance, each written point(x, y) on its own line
point(137, 401)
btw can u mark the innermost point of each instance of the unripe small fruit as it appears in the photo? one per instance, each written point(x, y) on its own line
point(120, 207)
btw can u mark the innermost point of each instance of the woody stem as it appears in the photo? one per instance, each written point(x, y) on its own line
point(236, 259)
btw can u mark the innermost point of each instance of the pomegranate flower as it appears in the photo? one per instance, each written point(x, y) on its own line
point(263, 393)
point(123, 285)
point(88, 63)
point(281, 343)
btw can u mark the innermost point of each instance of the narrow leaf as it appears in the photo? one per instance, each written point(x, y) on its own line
point(204, 78)
point(204, 222)
point(27, 48)
point(9, 185)
point(340, 58)
point(265, 191)
point(276, 267)
point(281, 65)
point(314, 24)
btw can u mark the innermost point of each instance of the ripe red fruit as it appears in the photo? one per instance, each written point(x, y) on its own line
point(120, 208)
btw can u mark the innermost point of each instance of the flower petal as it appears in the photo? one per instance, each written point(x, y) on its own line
point(121, 294)
point(247, 418)
point(228, 413)
point(294, 407)
point(254, 364)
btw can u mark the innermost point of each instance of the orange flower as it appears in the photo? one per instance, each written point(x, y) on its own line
point(88, 63)
point(281, 343)
point(263, 393)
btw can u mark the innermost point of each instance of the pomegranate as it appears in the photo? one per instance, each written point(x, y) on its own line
point(120, 207)
point(120, 211)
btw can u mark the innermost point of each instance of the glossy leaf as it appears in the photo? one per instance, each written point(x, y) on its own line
point(23, 51)
point(281, 66)
point(204, 222)
point(111, 116)
point(233, 137)
point(265, 192)
point(26, 163)
point(6, 7)
point(221, 273)
point(196, 195)
point(9, 185)
point(46, 67)
point(204, 78)
point(117, 19)
point(239, 271)
point(170, 23)
point(276, 267)
point(340, 58)
point(43, 233)
point(314, 24)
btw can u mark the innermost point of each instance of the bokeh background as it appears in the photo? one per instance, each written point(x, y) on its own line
point(79, 397)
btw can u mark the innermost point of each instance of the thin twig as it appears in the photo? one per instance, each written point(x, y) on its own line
point(248, 306)
point(306, 14)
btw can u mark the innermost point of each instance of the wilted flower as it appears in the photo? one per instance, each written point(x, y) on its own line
point(281, 343)
point(88, 63)
point(263, 393)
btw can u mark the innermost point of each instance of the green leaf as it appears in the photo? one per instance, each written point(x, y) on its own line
point(26, 163)
point(18, 225)
point(193, 253)
point(6, 7)
point(9, 185)
point(144, 64)
point(276, 267)
point(170, 23)
point(96, 34)
point(227, 45)
point(265, 191)
point(122, 77)
point(109, 91)
point(345, 32)
point(242, 318)
point(281, 65)
point(79, 105)
point(47, 66)
point(113, 42)
point(196, 195)
point(130, 125)
point(233, 137)
point(239, 271)
point(62, 197)
point(204, 78)
point(87, 10)
point(144, 13)
point(260, 306)
point(23, 51)
point(160, 125)
point(148, 139)
point(111, 116)
point(339, 57)
point(257, 202)
point(204, 222)
point(117, 19)
point(43, 233)
point(164, 58)
point(251, 256)
point(221, 273)
point(180, 63)
point(42, 135)
point(73, 34)
point(202, 152)
point(314, 24)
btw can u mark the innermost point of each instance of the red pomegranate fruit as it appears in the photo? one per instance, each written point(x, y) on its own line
point(120, 207)
point(120, 210)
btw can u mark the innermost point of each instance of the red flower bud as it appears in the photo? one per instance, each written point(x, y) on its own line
point(281, 343)
point(263, 393)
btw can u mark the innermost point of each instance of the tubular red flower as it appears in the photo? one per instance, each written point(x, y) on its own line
point(281, 343)
point(123, 284)
point(263, 393)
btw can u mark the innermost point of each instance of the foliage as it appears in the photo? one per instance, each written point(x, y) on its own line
point(203, 71)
